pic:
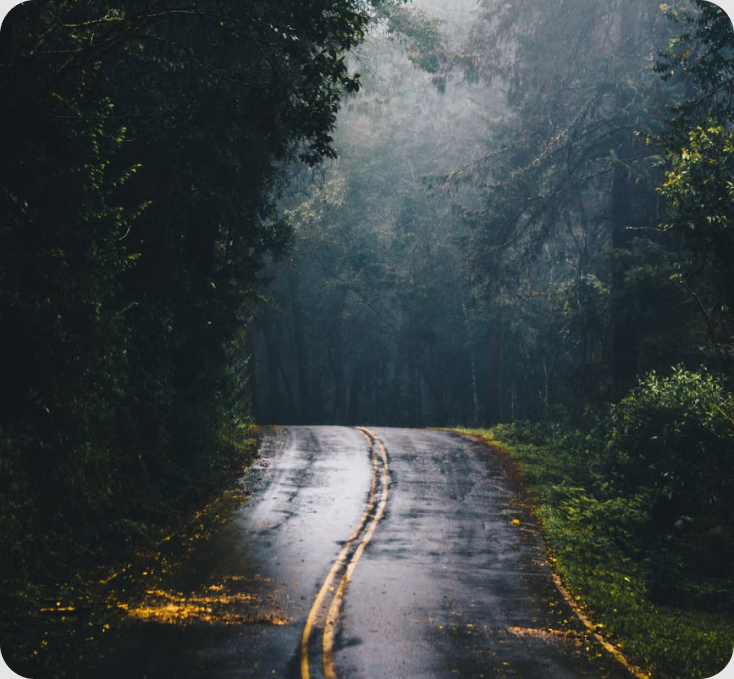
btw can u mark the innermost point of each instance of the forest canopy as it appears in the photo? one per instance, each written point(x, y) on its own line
point(215, 213)
point(521, 239)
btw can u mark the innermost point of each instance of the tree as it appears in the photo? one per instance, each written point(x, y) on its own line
point(371, 308)
point(566, 176)
point(142, 153)
point(699, 147)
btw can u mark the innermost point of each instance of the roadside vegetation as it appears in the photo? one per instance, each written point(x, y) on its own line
point(56, 619)
point(223, 213)
point(637, 518)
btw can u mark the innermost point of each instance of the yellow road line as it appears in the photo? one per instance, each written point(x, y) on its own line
point(612, 650)
point(338, 564)
point(333, 615)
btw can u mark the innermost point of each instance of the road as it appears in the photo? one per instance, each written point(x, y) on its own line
point(363, 554)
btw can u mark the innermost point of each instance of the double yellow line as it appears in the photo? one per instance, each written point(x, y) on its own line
point(345, 564)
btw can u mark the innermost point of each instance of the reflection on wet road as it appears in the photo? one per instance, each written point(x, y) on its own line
point(345, 565)
point(363, 554)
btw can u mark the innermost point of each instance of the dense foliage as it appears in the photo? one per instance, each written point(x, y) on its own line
point(369, 315)
point(522, 246)
point(699, 145)
point(606, 544)
point(526, 214)
point(142, 151)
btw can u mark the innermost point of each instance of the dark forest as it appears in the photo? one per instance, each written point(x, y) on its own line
point(508, 217)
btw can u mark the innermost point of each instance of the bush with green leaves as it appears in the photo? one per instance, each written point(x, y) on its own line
point(652, 590)
point(671, 441)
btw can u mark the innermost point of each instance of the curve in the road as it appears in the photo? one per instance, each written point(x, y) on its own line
point(333, 615)
point(379, 468)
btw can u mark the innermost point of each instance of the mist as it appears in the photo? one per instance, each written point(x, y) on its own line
point(512, 219)
point(368, 318)
point(455, 264)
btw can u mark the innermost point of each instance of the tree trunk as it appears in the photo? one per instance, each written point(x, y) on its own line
point(299, 348)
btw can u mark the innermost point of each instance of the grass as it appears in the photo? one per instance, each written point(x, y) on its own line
point(587, 533)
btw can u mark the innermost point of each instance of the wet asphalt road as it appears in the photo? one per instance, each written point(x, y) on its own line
point(432, 563)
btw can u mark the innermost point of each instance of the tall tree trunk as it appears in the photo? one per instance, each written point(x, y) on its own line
point(299, 346)
point(336, 362)
point(472, 364)
point(494, 369)
point(624, 342)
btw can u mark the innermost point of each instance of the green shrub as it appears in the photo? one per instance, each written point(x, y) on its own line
point(676, 435)
point(636, 581)
point(671, 441)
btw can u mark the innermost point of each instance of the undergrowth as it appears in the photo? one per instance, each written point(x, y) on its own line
point(57, 602)
point(606, 547)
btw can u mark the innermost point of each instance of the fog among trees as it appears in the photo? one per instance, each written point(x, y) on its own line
point(221, 214)
point(491, 243)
